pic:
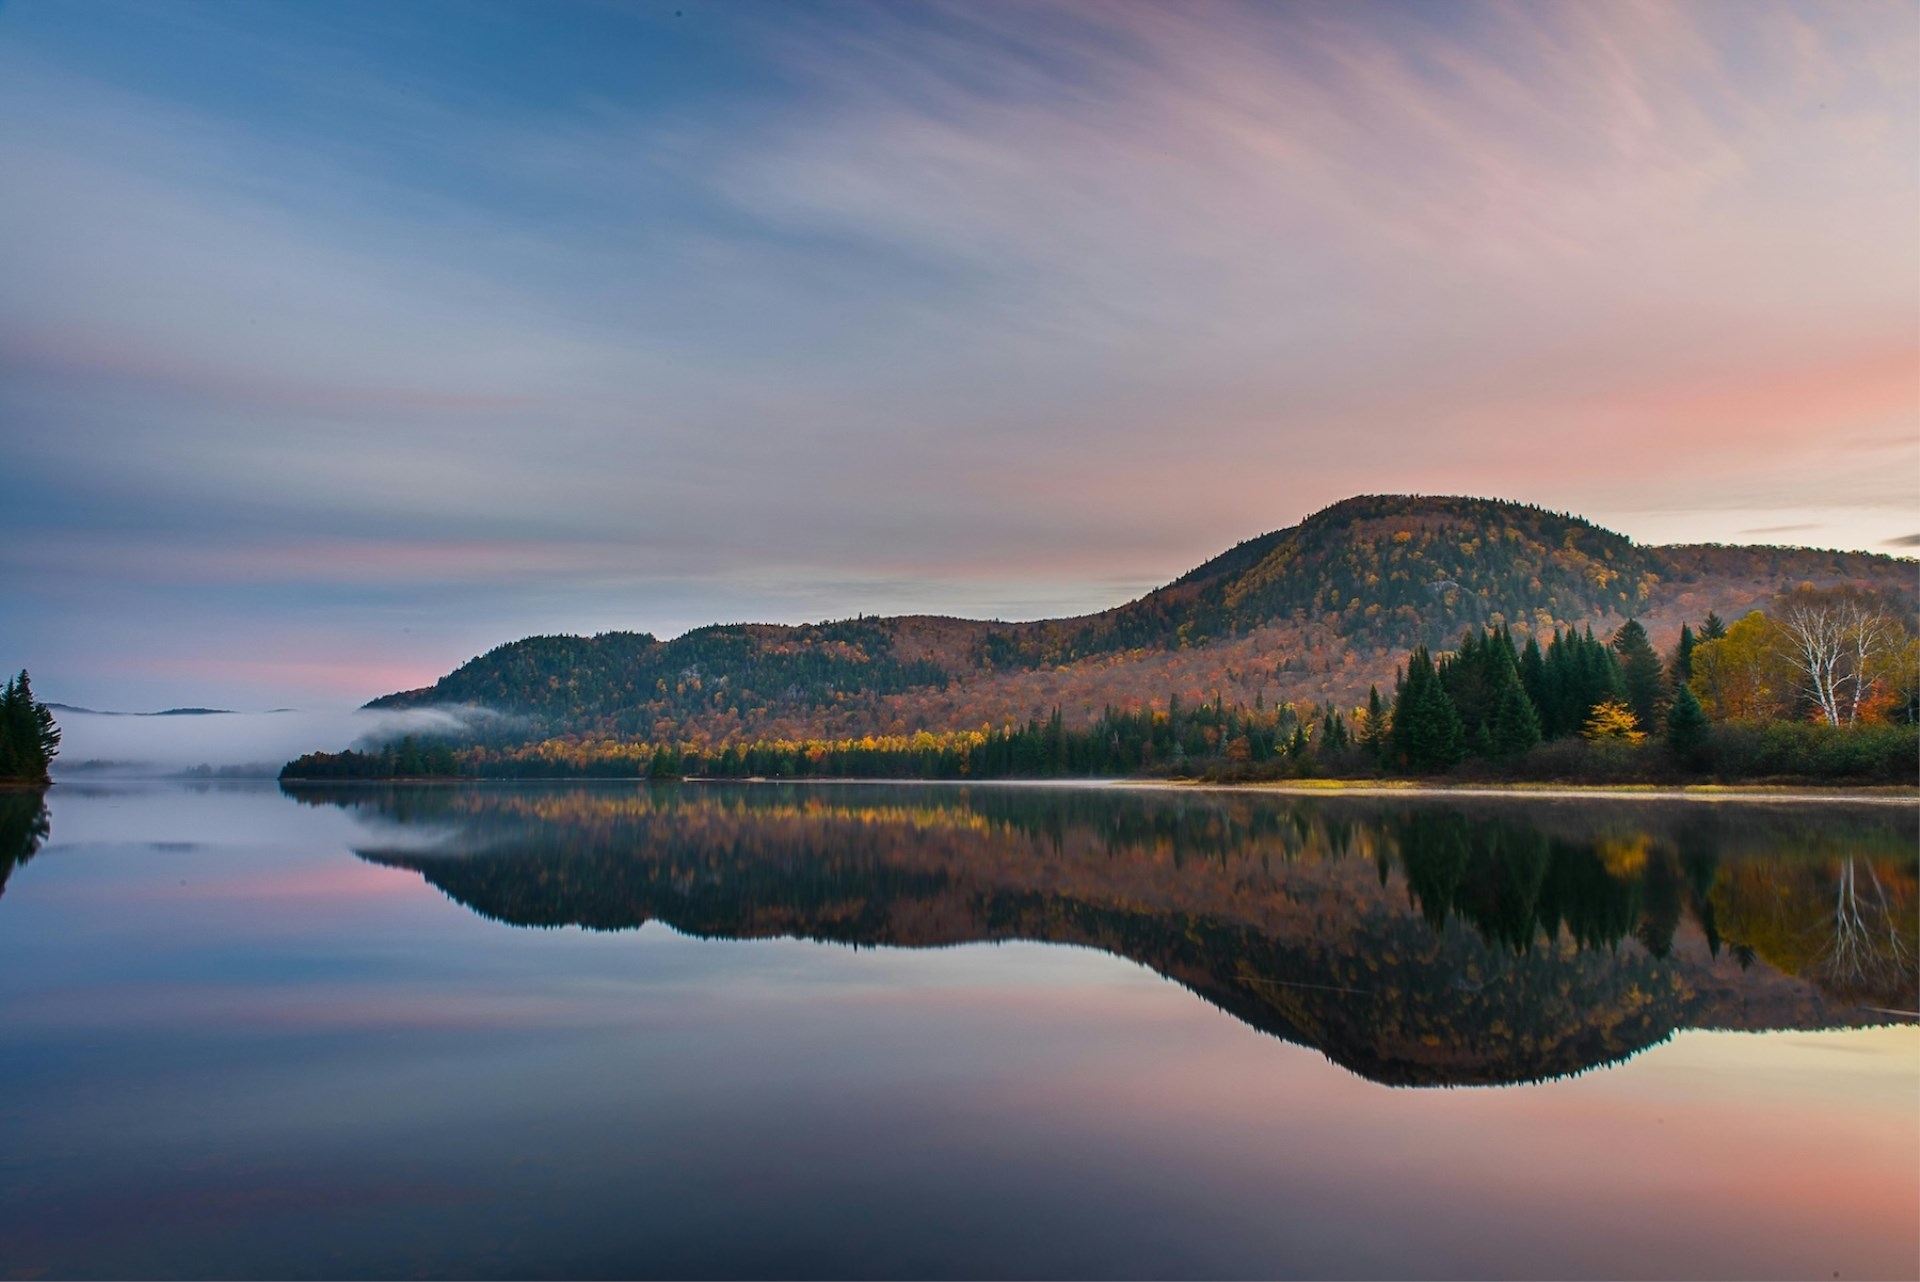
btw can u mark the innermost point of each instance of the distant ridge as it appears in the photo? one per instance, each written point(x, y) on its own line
point(164, 712)
point(1317, 611)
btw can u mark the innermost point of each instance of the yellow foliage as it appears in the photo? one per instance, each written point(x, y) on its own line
point(1624, 859)
point(1614, 720)
point(1744, 675)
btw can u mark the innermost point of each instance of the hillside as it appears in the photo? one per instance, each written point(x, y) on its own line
point(1386, 569)
point(1316, 612)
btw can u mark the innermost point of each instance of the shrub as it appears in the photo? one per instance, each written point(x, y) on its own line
point(1809, 750)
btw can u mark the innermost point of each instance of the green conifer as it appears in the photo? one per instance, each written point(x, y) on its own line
point(29, 739)
point(1516, 726)
point(1374, 735)
point(1680, 670)
point(1687, 727)
point(1427, 734)
point(10, 763)
point(1641, 674)
point(1335, 738)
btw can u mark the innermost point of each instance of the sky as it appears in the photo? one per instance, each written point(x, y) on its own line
point(340, 343)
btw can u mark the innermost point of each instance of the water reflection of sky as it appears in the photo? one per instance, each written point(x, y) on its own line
point(250, 1052)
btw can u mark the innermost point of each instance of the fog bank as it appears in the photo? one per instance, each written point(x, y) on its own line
point(263, 741)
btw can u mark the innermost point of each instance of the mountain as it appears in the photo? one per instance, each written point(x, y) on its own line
point(1317, 611)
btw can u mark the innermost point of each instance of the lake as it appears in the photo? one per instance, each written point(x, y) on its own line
point(865, 1030)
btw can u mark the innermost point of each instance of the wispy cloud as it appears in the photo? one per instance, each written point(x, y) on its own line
point(962, 304)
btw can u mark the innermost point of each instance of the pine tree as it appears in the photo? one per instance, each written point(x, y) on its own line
point(1473, 677)
point(1375, 735)
point(1579, 674)
point(46, 736)
point(1680, 669)
point(1427, 734)
point(1533, 677)
point(1687, 727)
point(1333, 732)
point(1714, 628)
point(1641, 673)
point(11, 766)
point(1516, 726)
point(29, 739)
point(1551, 700)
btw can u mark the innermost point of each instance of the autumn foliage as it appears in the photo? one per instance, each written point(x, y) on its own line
point(1501, 630)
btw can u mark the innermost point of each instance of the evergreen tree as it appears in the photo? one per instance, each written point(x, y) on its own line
point(665, 764)
point(1533, 677)
point(1553, 698)
point(10, 763)
point(1714, 628)
point(1686, 727)
point(29, 739)
point(1680, 670)
point(1578, 674)
point(1643, 677)
point(1374, 736)
point(1333, 732)
point(1427, 734)
point(1516, 726)
point(1474, 677)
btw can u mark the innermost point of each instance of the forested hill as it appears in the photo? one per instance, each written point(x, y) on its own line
point(1395, 571)
point(627, 682)
point(1317, 611)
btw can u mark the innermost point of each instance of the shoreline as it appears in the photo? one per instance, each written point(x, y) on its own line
point(1865, 794)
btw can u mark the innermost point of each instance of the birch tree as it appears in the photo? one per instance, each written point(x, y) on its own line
point(1840, 642)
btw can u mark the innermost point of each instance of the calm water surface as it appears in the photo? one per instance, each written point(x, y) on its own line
point(847, 1030)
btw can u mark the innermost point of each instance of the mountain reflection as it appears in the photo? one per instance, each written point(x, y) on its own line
point(1417, 942)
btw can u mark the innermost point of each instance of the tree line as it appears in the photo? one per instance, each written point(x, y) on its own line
point(1825, 686)
point(410, 758)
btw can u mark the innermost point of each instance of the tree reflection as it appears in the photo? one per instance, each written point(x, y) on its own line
point(1848, 924)
point(1868, 949)
point(1415, 942)
point(23, 827)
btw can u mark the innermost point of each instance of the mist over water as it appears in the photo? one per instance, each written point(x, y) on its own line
point(94, 743)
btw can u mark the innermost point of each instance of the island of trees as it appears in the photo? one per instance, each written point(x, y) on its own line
point(1822, 685)
point(29, 739)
